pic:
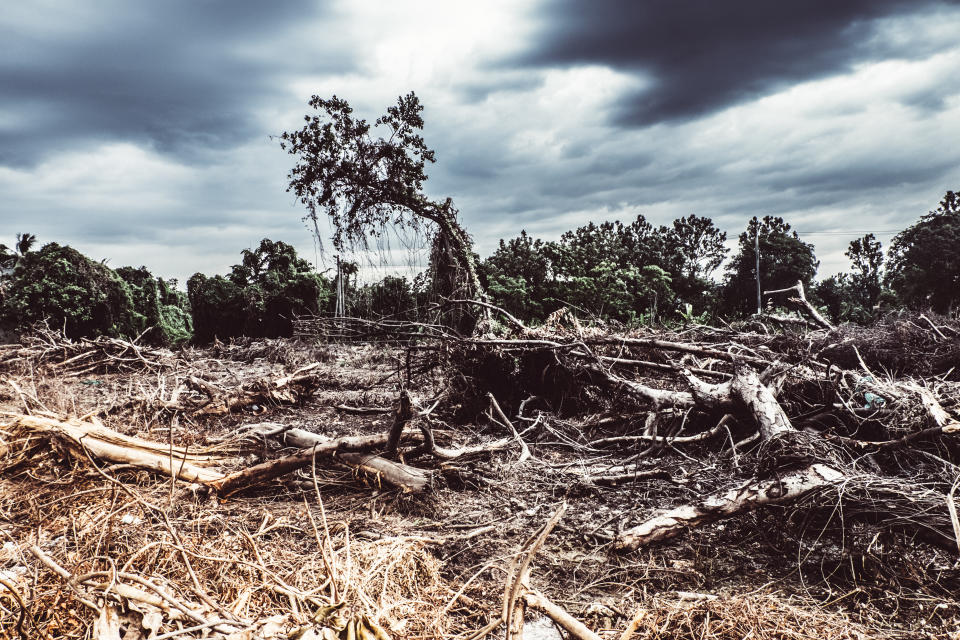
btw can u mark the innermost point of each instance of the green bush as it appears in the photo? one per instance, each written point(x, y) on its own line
point(259, 298)
point(61, 286)
point(158, 306)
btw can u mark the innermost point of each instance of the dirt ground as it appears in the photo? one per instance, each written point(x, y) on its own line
point(328, 547)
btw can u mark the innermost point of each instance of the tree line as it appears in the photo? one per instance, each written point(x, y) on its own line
point(625, 273)
point(635, 273)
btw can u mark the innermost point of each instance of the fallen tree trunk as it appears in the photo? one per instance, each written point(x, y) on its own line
point(83, 438)
point(107, 444)
point(750, 395)
point(403, 476)
point(745, 498)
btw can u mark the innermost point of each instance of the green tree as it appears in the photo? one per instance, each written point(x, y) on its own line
point(866, 279)
point(61, 286)
point(260, 297)
point(364, 183)
point(924, 261)
point(693, 248)
point(158, 307)
point(9, 257)
point(784, 260)
point(218, 307)
point(518, 277)
point(393, 298)
point(612, 270)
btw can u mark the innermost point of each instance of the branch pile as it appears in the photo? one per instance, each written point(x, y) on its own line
point(61, 356)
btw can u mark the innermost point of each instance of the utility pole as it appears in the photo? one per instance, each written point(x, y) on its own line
point(756, 251)
point(339, 312)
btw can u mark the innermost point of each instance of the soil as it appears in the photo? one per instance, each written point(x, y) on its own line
point(431, 564)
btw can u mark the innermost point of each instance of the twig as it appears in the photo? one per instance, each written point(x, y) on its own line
point(23, 607)
point(524, 449)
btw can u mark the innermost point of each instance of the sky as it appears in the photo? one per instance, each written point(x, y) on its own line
point(145, 133)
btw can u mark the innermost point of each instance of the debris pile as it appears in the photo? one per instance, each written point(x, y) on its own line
point(708, 483)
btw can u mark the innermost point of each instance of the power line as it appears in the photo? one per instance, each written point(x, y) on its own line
point(848, 233)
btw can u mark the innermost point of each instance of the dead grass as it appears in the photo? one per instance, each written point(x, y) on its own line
point(279, 559)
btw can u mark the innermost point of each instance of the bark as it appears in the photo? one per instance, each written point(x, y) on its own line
point(747, 389)
point(111, 446)
point(576, 629)
point(802, 300)
point(747, 497)
point(401, 419)
point(407, 479)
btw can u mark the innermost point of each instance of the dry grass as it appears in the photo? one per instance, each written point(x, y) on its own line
point(756, 616)
point(324, 551)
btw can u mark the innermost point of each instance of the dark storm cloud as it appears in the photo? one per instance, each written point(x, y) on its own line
point(695, 58)
point(178, 76)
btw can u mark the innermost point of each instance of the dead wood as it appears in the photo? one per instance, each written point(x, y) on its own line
point(430, 446)
point(854, 464)
point(406, 478)
point(576, 629)
point(362, 410)
point(401, 419)
point(53, 352)
point(214, 401)
point(106, 444)
point(747, 389)
point(801, 300)
point(779, 490)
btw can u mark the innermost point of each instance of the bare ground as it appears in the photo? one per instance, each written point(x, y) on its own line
point(274, 559)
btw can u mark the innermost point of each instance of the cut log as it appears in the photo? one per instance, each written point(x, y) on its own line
point(408, 479)
point(111, 446)
point(745, 498)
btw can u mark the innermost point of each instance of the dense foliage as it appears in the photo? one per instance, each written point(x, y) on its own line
point(625, 273)
point(784, 260)
point(259, 298)
point(61, 286)
point(924, 261)
point(159, 308)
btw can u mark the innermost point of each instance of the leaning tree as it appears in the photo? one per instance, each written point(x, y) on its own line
point(364, 183)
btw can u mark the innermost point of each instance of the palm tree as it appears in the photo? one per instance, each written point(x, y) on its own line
point(10, 257)
point(25, 242)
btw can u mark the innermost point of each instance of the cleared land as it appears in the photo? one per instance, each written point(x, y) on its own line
point(643, 485)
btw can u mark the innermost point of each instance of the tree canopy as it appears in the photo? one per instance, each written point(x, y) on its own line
point(784, 260)
point(363, 182)
point(59, 285)
point(260, 296)
point(924, 261)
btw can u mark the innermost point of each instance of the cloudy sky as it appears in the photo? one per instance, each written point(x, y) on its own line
point(144, 132)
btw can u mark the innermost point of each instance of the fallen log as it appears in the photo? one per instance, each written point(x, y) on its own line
point(750, 394)
point(100, 442)
point(407, 478)
point(747, 497)
point(410, 479)
point(107, 444)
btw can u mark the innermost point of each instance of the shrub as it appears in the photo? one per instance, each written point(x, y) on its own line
point(61, 286)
